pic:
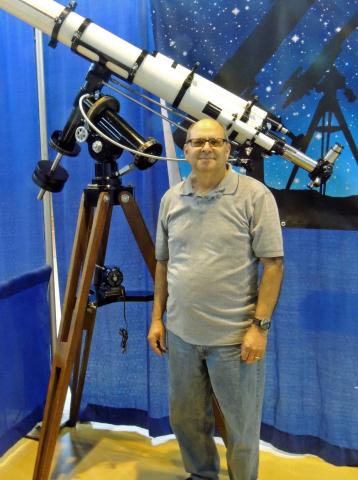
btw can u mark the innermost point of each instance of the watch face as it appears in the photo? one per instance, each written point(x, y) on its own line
point(264, 324)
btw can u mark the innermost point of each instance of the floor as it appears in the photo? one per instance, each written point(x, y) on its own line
point(92, 453)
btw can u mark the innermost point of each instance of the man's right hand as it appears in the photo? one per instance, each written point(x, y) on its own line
point(156, 337)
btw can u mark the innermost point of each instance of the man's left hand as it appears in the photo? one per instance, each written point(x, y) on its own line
point(254, 343)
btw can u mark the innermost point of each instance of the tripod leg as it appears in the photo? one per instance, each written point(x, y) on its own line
point(81, 361)
point(84, 225)
point(344, 127)
point(139, 229)
point(80, 368)
point(319, 113)
point(70, 334)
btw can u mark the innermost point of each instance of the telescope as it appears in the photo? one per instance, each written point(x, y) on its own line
point(247, 124)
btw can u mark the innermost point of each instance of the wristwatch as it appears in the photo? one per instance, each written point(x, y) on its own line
point(263, 323)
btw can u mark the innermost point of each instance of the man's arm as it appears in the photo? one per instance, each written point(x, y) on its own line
point(156, 334)
point(255, 339)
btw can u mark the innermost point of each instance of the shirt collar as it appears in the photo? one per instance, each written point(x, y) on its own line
point(227, 186)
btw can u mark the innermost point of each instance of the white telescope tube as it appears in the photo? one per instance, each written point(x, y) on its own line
point(158, 74)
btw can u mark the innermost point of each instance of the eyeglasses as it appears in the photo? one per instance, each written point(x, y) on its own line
point(200, 142)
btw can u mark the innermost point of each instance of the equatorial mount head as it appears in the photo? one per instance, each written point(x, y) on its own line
point(103, 112)
point(99, 113)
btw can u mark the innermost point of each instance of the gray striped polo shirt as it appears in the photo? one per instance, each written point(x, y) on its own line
point(213, 244)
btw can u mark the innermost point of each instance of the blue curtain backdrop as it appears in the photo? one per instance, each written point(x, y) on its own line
point(24, 316)
point(21, 225)
point(311, 380)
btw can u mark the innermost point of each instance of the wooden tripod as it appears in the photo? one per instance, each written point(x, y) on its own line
point(78, 317)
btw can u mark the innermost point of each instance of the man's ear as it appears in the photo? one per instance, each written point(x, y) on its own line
point(228, 146)
point(185, 149)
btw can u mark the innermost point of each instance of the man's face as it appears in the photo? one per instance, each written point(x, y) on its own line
point(207, 158)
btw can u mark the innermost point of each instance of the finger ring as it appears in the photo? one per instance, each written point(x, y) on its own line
point(258, 358)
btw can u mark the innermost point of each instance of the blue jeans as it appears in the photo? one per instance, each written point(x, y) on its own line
point(195, 372)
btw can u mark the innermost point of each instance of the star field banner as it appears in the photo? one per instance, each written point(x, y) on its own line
point(299, 59)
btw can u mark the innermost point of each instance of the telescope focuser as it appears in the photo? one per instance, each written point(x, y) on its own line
point(324, 167)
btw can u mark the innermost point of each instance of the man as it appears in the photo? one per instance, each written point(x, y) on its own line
point(213, 230)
